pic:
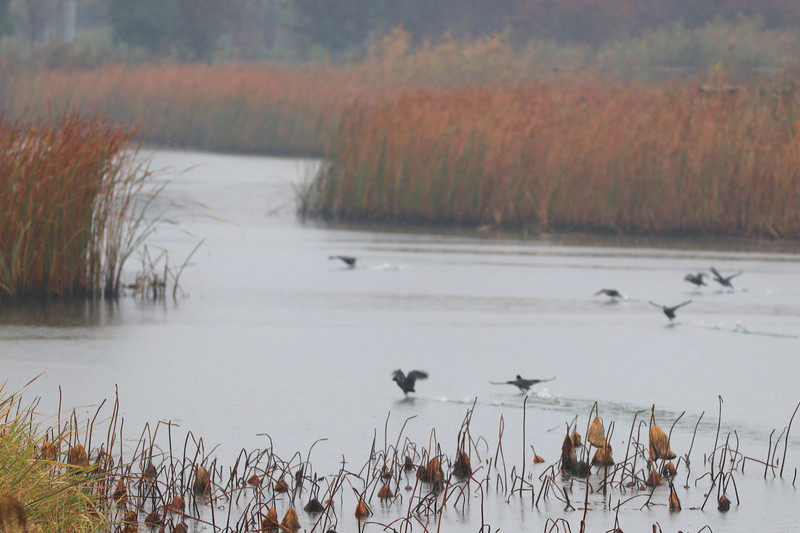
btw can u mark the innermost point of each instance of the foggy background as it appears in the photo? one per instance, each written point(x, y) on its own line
point(305, 30)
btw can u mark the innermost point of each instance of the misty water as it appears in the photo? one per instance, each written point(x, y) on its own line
point(270, 337)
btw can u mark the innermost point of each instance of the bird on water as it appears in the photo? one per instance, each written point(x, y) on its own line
point(696, 279)
point(347, 259)
point(406, 382)
point(670, 311)
point(611, 293)
point(723, 280)
point(523, 384)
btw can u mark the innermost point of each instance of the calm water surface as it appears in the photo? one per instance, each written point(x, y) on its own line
point(273, 338)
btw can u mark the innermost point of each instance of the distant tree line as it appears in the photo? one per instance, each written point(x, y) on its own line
point(196, 30)
point(343, 24)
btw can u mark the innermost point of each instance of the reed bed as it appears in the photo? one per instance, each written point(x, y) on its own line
point(255, 107)
point(579, 154)
point(235, 108)
point(68, 202)
point(84, 475)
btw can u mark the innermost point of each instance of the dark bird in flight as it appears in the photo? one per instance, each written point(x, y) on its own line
point(523, 384)
point(406, 382)
point(722, 280)
point(348, 260)
point(696, 279)
point(611, 293)
point(670, 311)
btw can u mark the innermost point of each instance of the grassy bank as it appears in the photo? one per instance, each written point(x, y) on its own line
point(37, 489)
point(66, 204)
point(590, 154)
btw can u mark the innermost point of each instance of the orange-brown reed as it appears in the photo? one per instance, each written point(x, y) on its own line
point(255, 107)
point(65, 199)
point(586, 154)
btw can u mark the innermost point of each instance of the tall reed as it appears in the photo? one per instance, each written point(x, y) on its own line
point(293, 110)
point(258, 108)
point(587, 154)
point(68, 201)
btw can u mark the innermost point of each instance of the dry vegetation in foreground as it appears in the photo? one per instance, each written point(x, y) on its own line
point(68, 478)
point(41, 489)
point(67, 206)
point(589, 154)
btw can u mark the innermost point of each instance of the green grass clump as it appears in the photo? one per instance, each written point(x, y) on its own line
point(55, 498)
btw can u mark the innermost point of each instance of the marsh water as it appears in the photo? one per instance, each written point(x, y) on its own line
point(268, 336)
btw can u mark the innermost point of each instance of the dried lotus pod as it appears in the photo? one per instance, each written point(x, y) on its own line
point(385, 493)
point(202, 482)
point(154, 519)
point(462, 467)
point(12, 515)
point(602, 457)
point(537, 459)
point(659, 444)
point(120, 494)
point(281, 486)
point(668, 469)
point(313, 506)
point(653, 479)
point(724, 504)
point(270, 522)
point(290, 520)
point(581, 469)
point(130, 519)
point(569, 459)
point(177, 505)
point(150, 473)
point(674, 502)
point(49, 451)
point(432, 473)
point(362, 511)
point(77, 456)
point(597, 433)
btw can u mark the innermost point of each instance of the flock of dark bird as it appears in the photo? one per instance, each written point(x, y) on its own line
point(406, 381)
point(695, 279)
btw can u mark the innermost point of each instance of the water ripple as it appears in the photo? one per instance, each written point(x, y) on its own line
point(745, 330)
